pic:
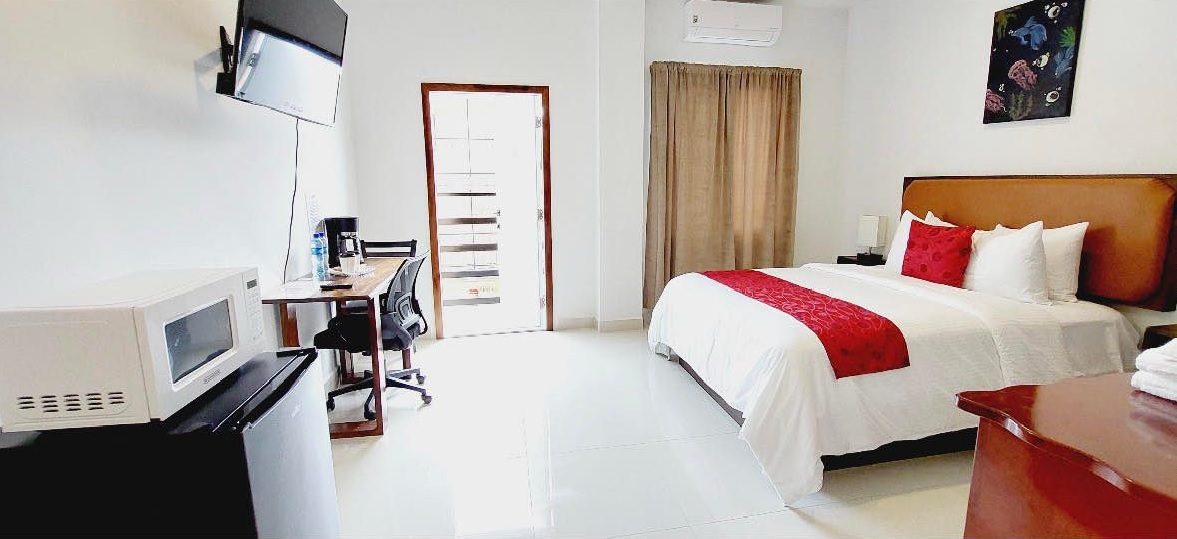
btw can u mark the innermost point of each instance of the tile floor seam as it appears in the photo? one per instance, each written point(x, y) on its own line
point(687, 527)
point(531, 509)
point(762, 513)
point(639, 444)
point(846, 503)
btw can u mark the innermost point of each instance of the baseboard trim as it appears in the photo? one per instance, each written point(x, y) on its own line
point(575, 323)
point(620, 325)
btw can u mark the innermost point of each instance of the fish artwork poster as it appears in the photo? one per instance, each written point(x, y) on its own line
point(1032, 62)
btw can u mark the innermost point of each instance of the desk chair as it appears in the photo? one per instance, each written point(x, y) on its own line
point(401, 322)
point(385, 249)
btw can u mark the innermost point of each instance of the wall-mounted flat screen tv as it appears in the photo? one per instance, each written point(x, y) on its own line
point(287, 55)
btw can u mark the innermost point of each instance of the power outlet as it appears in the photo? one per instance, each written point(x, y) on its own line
point(314, 214)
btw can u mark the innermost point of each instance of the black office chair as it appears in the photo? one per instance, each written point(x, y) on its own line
point(385, 249)
point(401, 322)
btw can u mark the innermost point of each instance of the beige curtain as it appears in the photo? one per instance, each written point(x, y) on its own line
point(723, 169)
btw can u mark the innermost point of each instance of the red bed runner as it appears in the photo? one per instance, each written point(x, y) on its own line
point(857, 341)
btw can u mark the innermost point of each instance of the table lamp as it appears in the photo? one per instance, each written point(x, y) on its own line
point(872, 234)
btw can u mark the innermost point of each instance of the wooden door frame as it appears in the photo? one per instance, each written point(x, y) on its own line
point(435, 256)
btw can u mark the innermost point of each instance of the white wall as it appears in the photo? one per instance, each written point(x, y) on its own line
point(116, 155)
point(916, 76)
point(622, 210)
point(594, 57)
point(813, 39)
point(395, 45)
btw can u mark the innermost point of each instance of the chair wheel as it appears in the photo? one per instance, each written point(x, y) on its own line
point(420, 378)
point(330, 404)
point(369, 414)
point(426, 399)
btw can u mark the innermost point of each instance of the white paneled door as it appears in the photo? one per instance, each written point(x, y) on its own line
point(487, 160)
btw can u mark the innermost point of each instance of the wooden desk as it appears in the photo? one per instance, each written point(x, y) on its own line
point(1084, 457)
point(365, 288)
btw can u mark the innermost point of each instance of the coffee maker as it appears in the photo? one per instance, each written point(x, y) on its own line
point(342, 238)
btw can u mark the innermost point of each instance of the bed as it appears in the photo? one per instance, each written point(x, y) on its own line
point(772, 372)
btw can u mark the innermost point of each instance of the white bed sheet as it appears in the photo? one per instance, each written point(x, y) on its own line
point(1095, 333)
point(775, 370)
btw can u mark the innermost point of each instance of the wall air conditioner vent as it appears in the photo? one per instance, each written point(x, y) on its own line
point(732, 23)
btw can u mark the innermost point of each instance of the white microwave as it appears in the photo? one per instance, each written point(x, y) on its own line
point(128, 350)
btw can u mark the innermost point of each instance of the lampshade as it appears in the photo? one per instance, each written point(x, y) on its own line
point(872, 231)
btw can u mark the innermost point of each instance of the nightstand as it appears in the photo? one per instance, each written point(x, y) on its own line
point(1156, 336)
point(862, 260)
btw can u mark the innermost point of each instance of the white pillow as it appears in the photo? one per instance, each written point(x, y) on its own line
point(982, 236)
point(898, 246)
point(931, 219)
point(1011, 264)
point(1064, 249)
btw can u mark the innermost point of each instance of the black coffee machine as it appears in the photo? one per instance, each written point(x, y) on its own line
point(342, 238)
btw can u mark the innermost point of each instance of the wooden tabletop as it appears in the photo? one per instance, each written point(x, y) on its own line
point(1126, 437)
point(306, 290)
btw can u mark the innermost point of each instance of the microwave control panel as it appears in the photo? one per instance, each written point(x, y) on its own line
point(253, 301)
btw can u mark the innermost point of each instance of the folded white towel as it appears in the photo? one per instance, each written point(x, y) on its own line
point(1162, 359)
point(1155, 384)
point(1157, 363)
point(1168, 350)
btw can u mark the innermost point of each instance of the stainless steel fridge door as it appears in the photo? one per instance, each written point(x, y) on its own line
point(291, 476)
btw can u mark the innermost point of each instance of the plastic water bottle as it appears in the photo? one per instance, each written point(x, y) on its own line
point(319, 256)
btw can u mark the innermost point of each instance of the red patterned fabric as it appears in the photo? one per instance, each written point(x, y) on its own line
point(938, 254)
point(857, 341)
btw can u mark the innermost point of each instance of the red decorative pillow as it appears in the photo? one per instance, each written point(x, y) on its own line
point(938, 254)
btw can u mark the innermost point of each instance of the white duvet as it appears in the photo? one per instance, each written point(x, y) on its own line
point(775, 370)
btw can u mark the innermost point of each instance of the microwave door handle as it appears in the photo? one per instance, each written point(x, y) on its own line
point(274, 397)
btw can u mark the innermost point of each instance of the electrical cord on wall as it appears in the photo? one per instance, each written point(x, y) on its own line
point(293, 197)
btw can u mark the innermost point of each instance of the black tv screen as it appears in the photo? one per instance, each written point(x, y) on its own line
point(288, 56)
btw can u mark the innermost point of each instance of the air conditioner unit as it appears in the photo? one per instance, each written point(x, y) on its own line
point(733, 23)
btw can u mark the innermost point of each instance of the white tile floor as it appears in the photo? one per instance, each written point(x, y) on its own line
point(581, 434)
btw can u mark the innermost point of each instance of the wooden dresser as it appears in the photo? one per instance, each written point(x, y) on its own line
point(1085, 457)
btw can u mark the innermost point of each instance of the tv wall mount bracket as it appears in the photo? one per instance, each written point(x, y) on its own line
point(225, 80)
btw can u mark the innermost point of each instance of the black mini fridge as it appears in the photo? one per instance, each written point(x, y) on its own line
point(251, 458)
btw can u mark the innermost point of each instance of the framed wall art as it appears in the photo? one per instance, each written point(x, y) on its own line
point(1032, 61)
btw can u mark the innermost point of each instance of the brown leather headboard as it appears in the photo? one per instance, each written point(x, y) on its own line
point(1130, 251)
